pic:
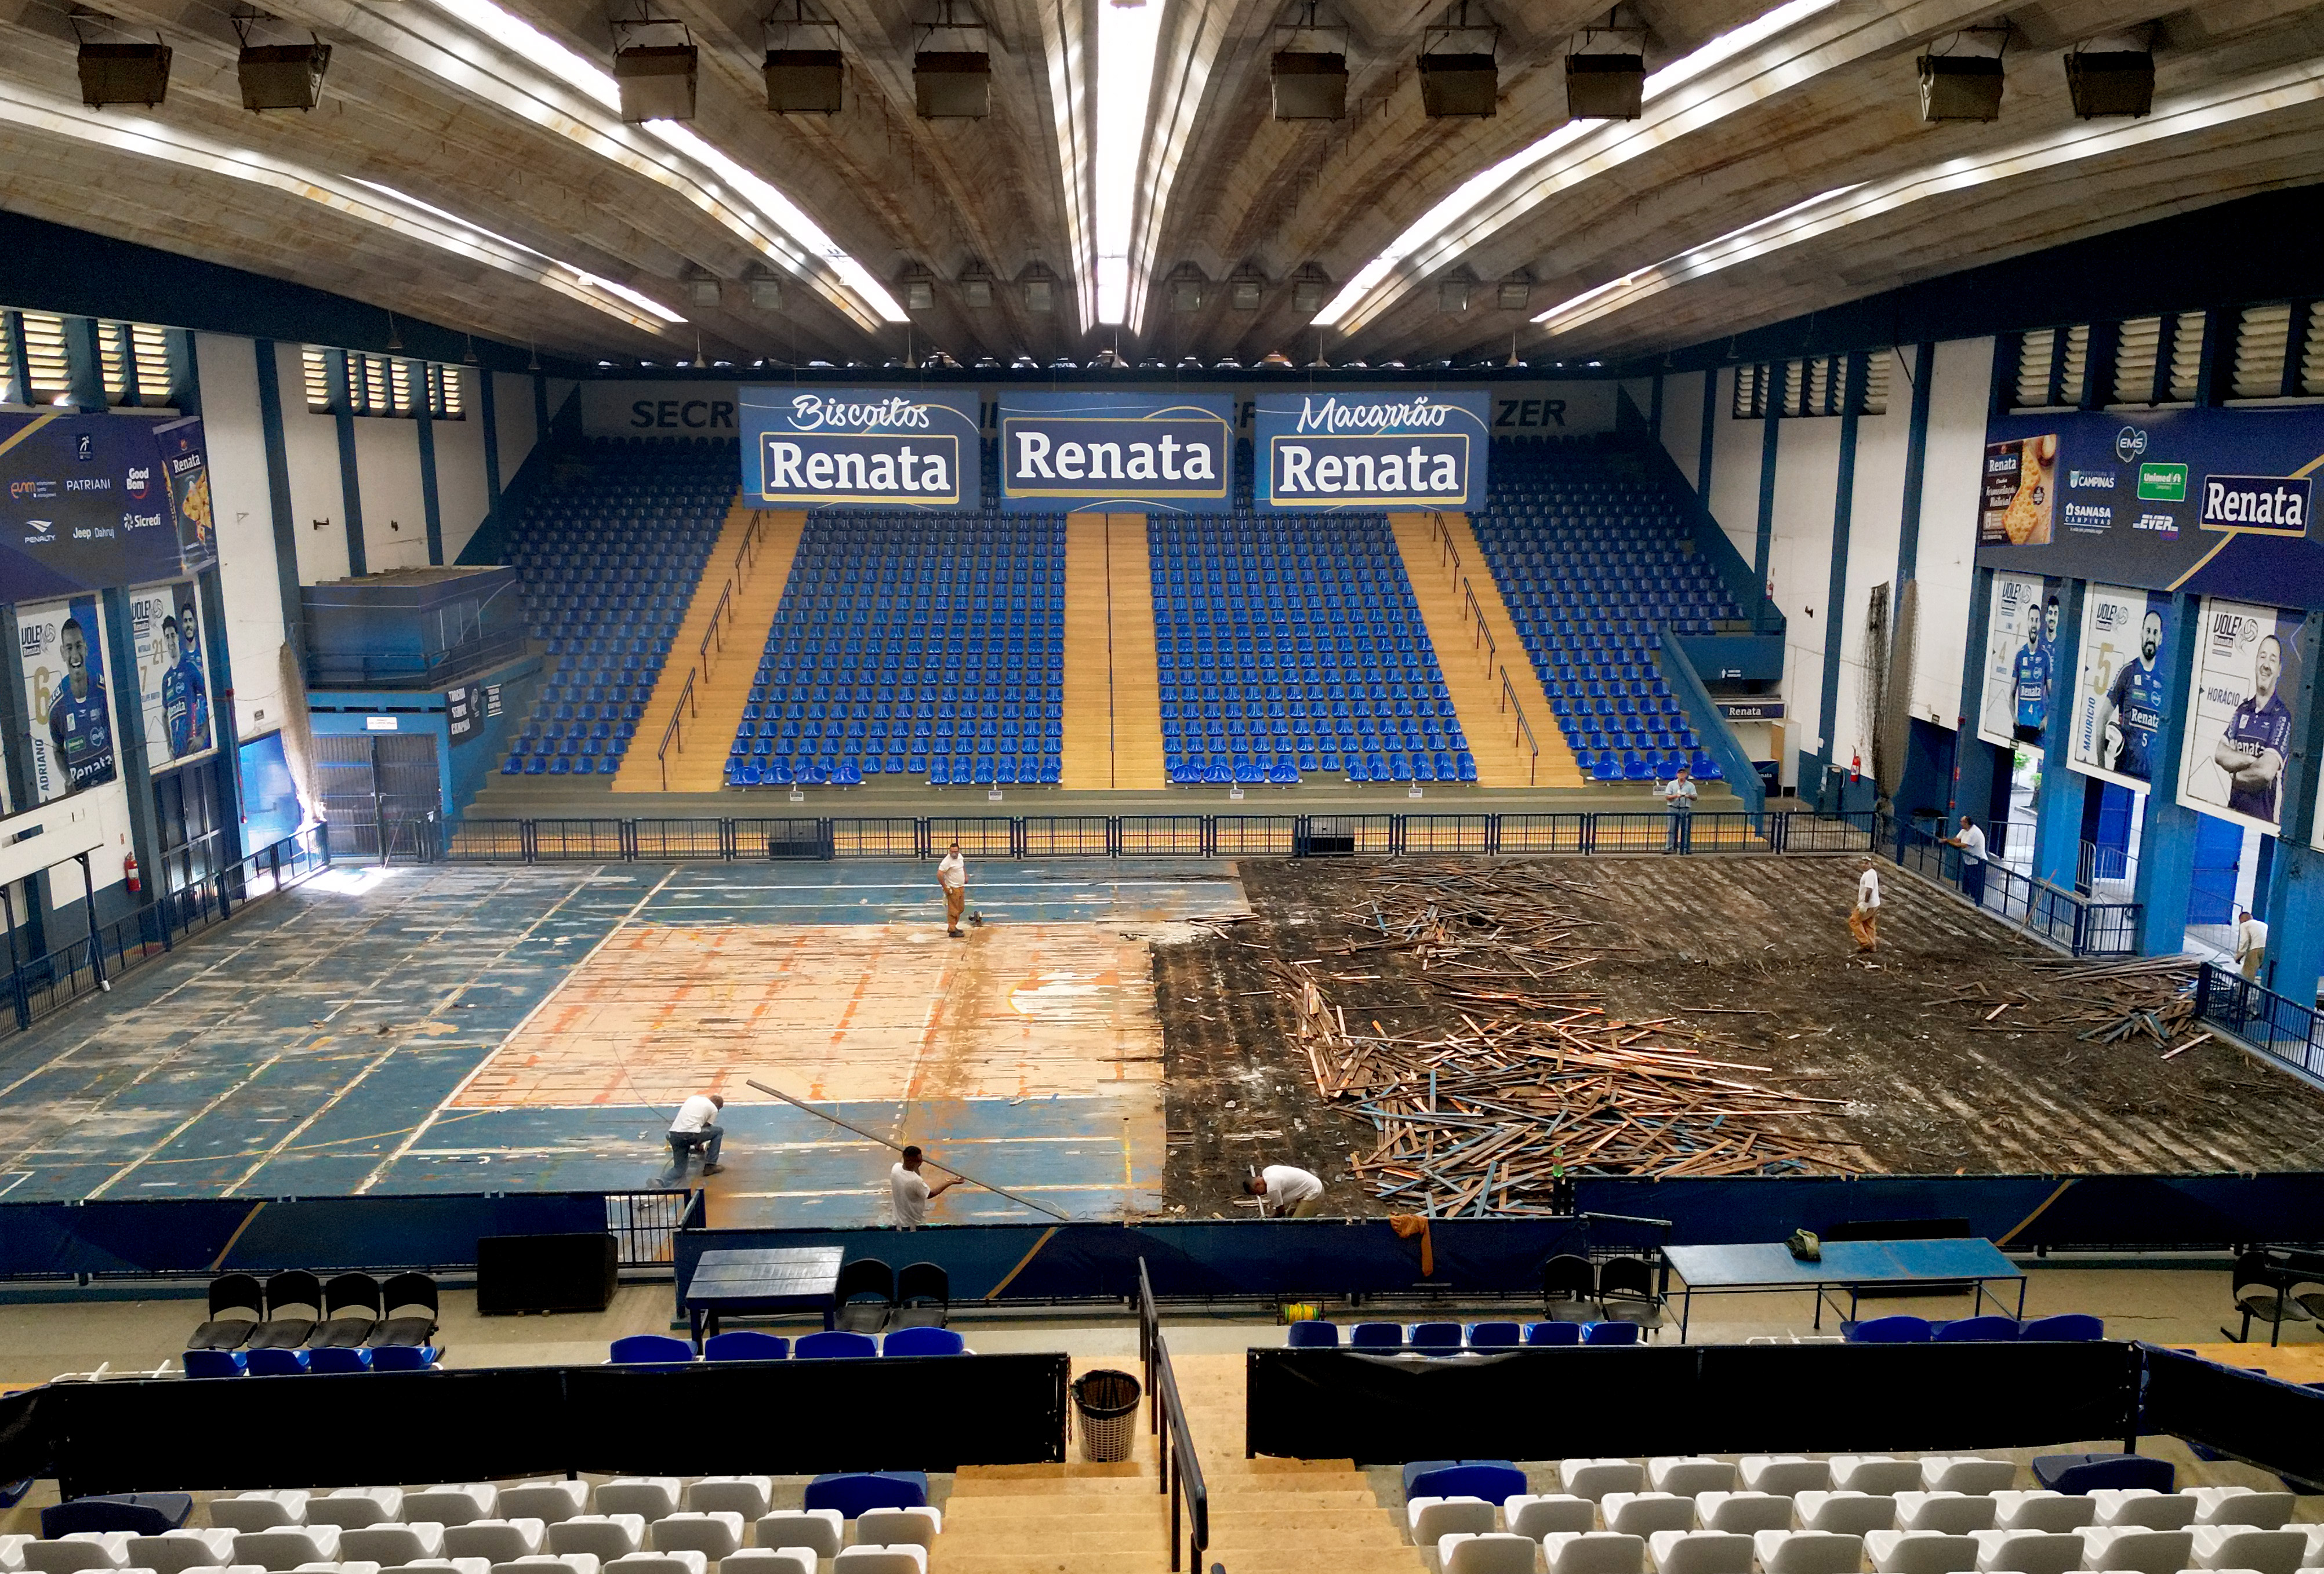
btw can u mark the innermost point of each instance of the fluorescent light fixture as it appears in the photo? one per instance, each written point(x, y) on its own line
point(360, 199)
point(1621, 141)
point(2292, 86)
point(538, 50)
point(1126, 36)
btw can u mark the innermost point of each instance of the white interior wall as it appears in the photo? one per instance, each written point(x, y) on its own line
point(1875, 520)
point(1735, 471)
point(310, 443)
point(1683, 422)
point(394, 510)
point(461, 495)
point(1798, 565)
point(248, 576)
point(1958, 400)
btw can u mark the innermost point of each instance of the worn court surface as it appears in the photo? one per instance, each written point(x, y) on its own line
point(485, 1029)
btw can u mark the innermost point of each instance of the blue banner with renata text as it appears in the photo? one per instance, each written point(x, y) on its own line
point(1384, 450)
point(100, 502)
point(1095, 452)
point(860, 448)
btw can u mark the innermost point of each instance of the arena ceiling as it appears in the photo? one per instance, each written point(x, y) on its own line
point(468, 165)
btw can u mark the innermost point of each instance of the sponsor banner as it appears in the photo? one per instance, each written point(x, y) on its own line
point(1751, 709)
point(62, 646)
point(95, 503)
point(173, 689)
point(2121, 715)
point(2021, 658)
point(711, 408)
point(860, 448)
point(2215, 501)
point(1094, 451)
point(2244, 716)
point(1381, 449)
point(463, 710)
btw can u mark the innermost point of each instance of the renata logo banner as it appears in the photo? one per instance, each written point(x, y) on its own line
point(1389, 449)
point(859, 447)
point(1071, 453)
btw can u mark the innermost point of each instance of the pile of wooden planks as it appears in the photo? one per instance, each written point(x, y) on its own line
point(2145, 1000)
point(1516, 1079)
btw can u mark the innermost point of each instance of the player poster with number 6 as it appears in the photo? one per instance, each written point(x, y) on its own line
point(62, 645)
point(2240, 733)
point(2121, 714)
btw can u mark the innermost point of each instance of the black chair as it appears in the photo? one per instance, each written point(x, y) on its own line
point(1568, 1278)
point(352, 1308)
point(141, 1514)
point(237, 1306)
point(923, 1296)
point(411, 1321)
point(1626, 1289)
point(294, 1306)
point(2264, 1289)
point(866, 1294)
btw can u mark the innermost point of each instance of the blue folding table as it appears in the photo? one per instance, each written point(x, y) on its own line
point(1853, 1265)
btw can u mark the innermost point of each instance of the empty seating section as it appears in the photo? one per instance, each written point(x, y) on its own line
point(913, 646)
point(609, 562)
point(1592, 560)
point(1290, 648)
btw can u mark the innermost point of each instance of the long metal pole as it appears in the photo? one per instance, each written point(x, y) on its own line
point(971, 1180)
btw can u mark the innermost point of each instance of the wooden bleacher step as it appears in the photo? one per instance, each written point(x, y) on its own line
point(697, 763)
point(1445, 566)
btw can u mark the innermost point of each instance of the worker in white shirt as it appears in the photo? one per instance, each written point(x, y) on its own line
point(1971, 842)
point(696, 1127)
point(1679, 794)
point(908, 1191)
point(1864, 918)
point(1285, 1191)
point(2250, 943)
point(952, 879)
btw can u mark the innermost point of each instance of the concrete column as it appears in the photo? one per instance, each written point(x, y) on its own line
point(1843, 511)
point(278, 499)
point(2292, 903)
point(2058, 801)
point(1972, 756)
point(1769, 442)
point(2166, 878)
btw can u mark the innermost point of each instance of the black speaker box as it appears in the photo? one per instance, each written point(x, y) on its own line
point(544, 1272)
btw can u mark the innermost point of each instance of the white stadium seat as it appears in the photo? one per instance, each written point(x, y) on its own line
point(1539, 1514)
point(1485, 1552)
point(862, 1560)
point(1955, 1513)
point(1785, 1475)
point(452, 1504)
point(350, 1507)
point(2042, 1511)
point(12, 1552)
point(1847, 1513)
point(1744, 1512)
point(496, 1541)
point(81, 1549)
point(2266, 1511)
point(549, 1563)
point(1593, 1552)
point(2143, 1506)
point(770, 1561)
point(714, 1535)
point(1593, 1478)
point(820, 1528)
point(658, 1563)
point(1689, 1473)
point(652, 1497)
point(2136, 1550)
point(2028, 1551)
point(2228, 1546)
point(604, 1536)
point(1784, 1551)
point(393, 1544)
point(550, 1502)
point(1429, 1519)
point(1919, 1553)
point(288, 1547)
point(258, 1511)
point(1875, 1473)
point(1700, 1552)
point(748, 1495)
point(1642, 1514)
point(174, 1550)
point(1967, 1473)
point(919, 1527)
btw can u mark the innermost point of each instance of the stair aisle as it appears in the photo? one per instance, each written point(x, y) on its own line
point(1073, 1518)
point(1086, 762)
point(697, 759)
point(1136, 686)
point(1502, 760)
point(1281, 1517)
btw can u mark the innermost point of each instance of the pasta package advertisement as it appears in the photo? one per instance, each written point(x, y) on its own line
point(2218, 501)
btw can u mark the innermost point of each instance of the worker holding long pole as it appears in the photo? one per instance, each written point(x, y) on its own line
point(911, 1156)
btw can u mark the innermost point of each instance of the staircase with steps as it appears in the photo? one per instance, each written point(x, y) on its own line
point(1112, 693)
point(1438, 578)
point(697, 758)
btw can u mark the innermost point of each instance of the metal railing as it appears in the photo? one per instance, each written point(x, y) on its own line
point(1472, 608)
point(2285, 1030)
point(686, 706)
point(2067, 919)
point(1510, 702)
point(46, 984)
point(1448, 556)
point(1179, 1471)
point(713, 638)
point(644, 1225)
point(412, 669)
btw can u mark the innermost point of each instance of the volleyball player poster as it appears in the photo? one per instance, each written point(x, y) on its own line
point(2021, 644)
point(72, 739)
point(2121, 717)
point(173, 687)
point(2243, 722)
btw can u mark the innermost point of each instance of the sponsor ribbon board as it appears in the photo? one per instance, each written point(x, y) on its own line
point(860, 448)
point(1071, 453)
point(97, 503)
point(1378, 449)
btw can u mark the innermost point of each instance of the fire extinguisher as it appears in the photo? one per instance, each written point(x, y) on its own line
point(1855, 769)
point(129, 873)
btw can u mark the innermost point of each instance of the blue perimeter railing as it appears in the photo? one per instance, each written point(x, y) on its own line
point(45, 985)
point(2288, 1031)
point(2074, 923)
point(554, 841)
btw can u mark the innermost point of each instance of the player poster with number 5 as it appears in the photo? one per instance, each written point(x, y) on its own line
point(2240, 732)
point(2121, 716)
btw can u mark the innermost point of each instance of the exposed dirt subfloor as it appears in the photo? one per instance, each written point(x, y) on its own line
point(1930, 1082)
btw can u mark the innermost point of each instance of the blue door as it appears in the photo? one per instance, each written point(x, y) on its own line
point(2219, 851)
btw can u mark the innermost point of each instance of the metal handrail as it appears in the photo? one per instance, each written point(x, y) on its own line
point(746, 555)
point(717, 630)
point(1473, 608)
point(1180, 1471)
point(1441, 534)
point(685, 707)
point(1525, 728)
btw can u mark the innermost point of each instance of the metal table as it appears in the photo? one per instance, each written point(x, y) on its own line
point(779, 1279)
point(1853, 1265)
